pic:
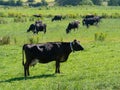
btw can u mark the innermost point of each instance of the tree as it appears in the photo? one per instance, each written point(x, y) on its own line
point(19, 3)
point(78, 2)
point(114, 2)
point(68, 2)
point(30, 0)
point(1, 2)
point(11, 2)
point(86, 2)
point(44, 3)
point(97, 2)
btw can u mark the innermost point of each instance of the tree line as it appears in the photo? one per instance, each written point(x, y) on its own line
point(21, 3)
point(88, 2)
point(60, 2)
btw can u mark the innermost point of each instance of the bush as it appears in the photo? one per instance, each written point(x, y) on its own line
point(72, 15)
point(2, 21)
point(2, 14)
point(100, 36)
point(105, 15)
point(20, 19)
point(49, 15)
point(14, 14)
point(15, 40)
point(32, 19)
point(5, 40)
point(33, 39)
point(115, 15)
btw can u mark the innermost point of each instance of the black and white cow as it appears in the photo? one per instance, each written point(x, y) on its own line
point(38, 26)
point(72, 25)
point(47, 52)
point(57, 17)
point(91, 20)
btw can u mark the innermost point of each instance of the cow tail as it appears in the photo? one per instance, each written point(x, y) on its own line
point(23, 55)
point(45, 28)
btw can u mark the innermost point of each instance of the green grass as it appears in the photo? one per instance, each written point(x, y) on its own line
point(95, 68)
point(77, 11)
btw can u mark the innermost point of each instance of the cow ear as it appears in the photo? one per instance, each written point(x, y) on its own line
point(75, 40)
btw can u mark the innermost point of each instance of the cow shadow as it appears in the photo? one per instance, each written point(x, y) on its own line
point(28, 78)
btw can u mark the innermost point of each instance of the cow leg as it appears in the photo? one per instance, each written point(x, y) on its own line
point(57, 67)
point(37, 32)
point(96, 23)
point(26, 70)
point(87, 25)
point(44, 30)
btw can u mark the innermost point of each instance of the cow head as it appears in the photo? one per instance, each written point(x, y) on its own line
point(31, 28)
point(28, 30)
point(67, 31)
point(83, 22)
point(68, 28)
point(52, 19)
point(75, 46)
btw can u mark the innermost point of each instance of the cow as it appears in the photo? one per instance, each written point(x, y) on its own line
point(89, 16)
point(47, 52)
point(38, 26)
point(57, 17)
point(91, 21)
point(72, 25)
point(37, 15)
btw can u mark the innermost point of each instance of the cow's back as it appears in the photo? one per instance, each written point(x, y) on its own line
point(43, 52)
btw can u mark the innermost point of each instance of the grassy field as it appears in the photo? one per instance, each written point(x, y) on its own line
point(70, 11)
point(95, 68)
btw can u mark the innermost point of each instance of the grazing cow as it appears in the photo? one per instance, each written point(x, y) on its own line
point(57, 17)
point(37, 15)
point(38, 26)
point(89, 16)
point(47, 52)
point(72, 25)
point(91, 21)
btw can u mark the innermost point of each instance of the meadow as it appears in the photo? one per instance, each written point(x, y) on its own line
point(95, 68)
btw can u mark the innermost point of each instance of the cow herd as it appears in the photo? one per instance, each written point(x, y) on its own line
point(87, 21)
point(53, 51)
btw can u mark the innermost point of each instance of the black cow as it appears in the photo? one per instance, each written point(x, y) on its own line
point(72, 25)
point(37, 15)
point(91, 21)
point(38, 26)
point(47, 52)
point(89, 16)
point(57, 17)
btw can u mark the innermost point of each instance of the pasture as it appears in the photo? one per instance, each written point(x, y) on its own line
point(95, 68)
